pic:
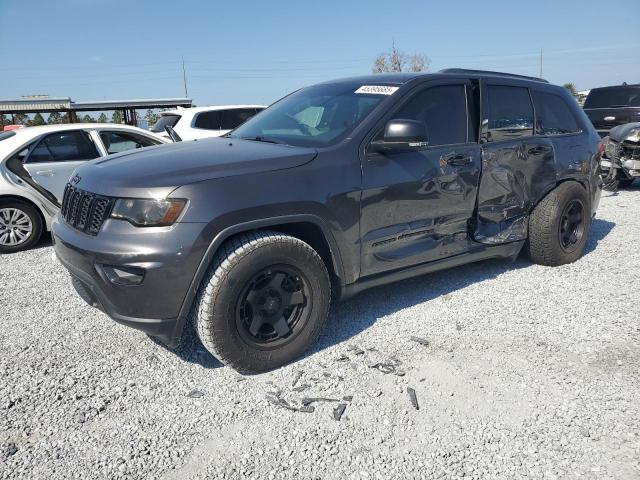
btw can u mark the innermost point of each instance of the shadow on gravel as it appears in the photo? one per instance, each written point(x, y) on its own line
point(349, 318)
point(191, 351)
point(599, 229)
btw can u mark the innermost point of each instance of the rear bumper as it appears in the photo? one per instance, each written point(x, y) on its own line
point(166, 258)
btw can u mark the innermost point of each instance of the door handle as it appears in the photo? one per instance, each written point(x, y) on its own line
point(457, 159)
point(45, 173)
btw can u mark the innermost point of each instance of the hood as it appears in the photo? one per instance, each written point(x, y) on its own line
point(621, 132)
point(156, 171)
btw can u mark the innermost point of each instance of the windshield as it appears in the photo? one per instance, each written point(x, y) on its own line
point(312, 117)
point(613, 97)
point(163, 121)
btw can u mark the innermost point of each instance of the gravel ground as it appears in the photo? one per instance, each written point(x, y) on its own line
point(519, 371)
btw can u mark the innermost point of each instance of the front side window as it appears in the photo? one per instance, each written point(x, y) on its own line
point(209, 120)
point(67, 146)
point(443, 110)
point(510, 114)
point(553, 116)
point(234, 118)
point(312, 117)
point(116, 142)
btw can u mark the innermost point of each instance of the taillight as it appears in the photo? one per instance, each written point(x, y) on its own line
point(601, 148)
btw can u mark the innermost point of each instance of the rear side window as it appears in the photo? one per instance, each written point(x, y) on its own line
point(510, 114)
point(116, 142)
point(613, 97)
point(64, 147)
point(164, 121)
point(444, 112)
point(234, 118)
point(5, 135)
point(553, 115)
point(208, 120)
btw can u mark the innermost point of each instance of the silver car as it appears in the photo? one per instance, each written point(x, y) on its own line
point(35, 166)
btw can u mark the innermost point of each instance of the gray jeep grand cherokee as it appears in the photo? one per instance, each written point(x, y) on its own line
point(333, 189)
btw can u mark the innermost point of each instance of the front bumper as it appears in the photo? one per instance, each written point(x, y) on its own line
point(166, 258)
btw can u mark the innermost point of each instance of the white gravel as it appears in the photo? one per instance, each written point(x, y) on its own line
point(530, 372)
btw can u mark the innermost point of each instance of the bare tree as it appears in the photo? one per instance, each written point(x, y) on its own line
point(396, 60)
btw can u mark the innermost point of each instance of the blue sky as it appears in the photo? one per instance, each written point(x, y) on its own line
point(257, 51)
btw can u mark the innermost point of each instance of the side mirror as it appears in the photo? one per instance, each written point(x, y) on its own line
point(402, 135)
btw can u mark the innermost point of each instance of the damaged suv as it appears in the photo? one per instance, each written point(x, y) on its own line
point(336, 188)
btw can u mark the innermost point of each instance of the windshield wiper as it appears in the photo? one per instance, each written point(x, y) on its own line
point(260, 139)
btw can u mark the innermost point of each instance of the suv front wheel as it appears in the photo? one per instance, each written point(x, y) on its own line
point(264, 302)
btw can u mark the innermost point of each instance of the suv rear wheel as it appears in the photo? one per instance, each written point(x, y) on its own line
point(559, 226)
point(265, 301)
point(20, 226)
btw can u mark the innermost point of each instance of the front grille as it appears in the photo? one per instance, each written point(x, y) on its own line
point(85, 211)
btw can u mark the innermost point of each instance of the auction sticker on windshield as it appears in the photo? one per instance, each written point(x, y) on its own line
point(377, 89)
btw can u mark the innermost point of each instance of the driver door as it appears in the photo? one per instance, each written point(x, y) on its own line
point(416, 205)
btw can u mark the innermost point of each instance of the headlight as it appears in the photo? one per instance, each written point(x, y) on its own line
point(634, 135)
point(148, 212)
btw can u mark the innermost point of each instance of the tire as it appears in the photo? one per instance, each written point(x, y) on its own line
point(26, 217)
point(550, 240)
point(257, 280)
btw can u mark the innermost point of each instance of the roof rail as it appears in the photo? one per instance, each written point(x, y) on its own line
point(488, 72)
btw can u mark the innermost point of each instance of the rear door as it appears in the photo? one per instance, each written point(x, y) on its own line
point(512, 160)
point(56, 155)
point(415, 206)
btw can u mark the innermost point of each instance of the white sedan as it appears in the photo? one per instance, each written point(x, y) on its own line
point(35, 166)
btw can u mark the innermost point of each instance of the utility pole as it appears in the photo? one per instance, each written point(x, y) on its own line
point(184, 79)
point(540, 63)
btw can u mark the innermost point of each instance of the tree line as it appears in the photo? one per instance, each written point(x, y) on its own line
point(56, 118)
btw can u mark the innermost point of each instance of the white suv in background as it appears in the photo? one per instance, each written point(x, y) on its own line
point(203, 122)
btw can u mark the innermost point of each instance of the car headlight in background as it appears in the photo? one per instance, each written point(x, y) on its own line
point(634, 135)
point(143, 212)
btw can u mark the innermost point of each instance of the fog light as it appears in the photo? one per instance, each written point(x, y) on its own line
point(124, 275)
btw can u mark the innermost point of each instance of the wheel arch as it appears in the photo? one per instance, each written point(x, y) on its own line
point(44, 218)
point(308, 228)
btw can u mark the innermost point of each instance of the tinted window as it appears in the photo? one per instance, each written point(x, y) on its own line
point(163, 121)
point(553, 115)
point(443, 110)
point(209, 120)
point(613, 97)
point(5, 135)
point(234, 118)
point(64, 147)
point(510, 114)
point(116, 142)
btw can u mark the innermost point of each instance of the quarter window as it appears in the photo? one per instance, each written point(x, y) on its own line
point(234, 118)
point(553, 116)
point(510, 114)
point(443, 110)
point(64, 147)
point(116, 142)
point(209, 120)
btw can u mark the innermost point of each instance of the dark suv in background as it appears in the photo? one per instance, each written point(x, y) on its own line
point(608, 107)
point(336, 188)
